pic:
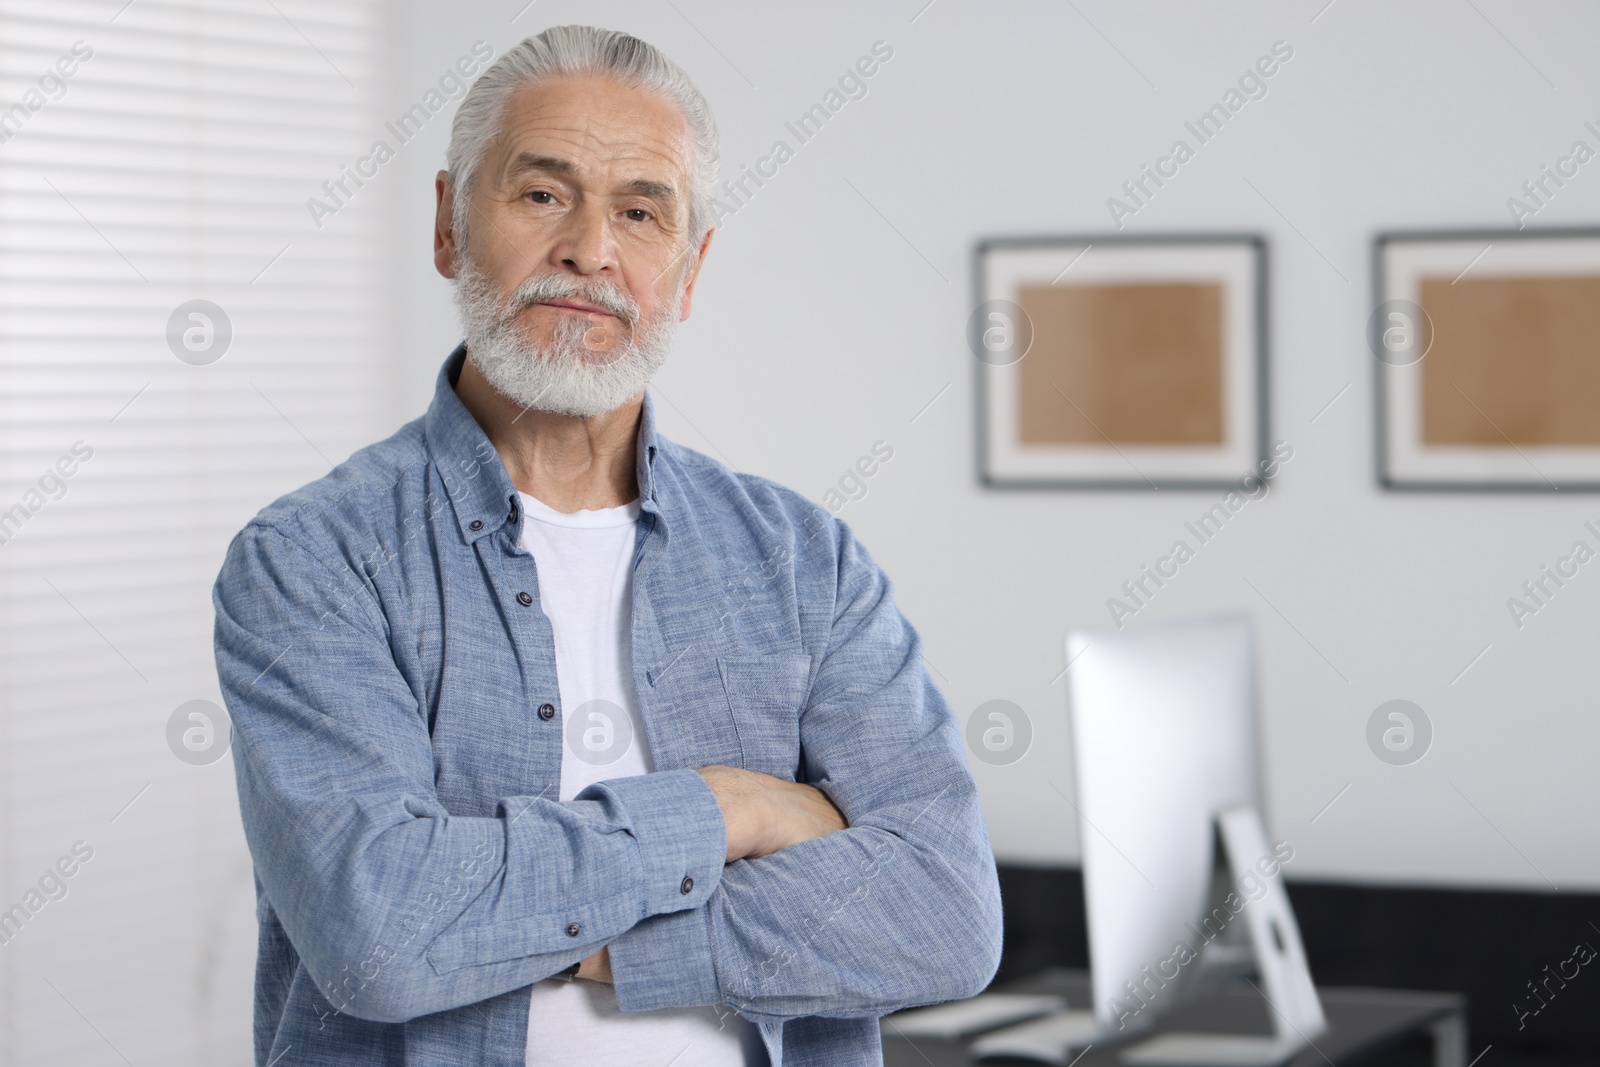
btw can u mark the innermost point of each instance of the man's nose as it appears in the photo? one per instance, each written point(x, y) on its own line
point(586, 244)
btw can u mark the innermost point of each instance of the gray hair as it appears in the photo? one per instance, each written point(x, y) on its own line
point(562, 50)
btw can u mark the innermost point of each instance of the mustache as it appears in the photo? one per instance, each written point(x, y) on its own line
point(607, 296)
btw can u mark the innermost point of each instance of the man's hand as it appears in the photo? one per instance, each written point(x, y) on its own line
point(764, 814)
point(596, 968)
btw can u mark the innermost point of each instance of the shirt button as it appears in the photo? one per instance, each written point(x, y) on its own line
point(686, 886)
point(573, 929)
point(524, 598)
point(547, 712)
point(476, 524)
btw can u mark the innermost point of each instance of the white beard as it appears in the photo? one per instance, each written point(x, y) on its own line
point(564, 376)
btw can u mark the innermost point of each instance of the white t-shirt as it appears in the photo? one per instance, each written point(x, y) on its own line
point(585, 568)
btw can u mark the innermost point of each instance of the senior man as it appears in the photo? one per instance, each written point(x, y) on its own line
point(557, 742)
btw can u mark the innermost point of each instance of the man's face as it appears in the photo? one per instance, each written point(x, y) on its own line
point(588, 181)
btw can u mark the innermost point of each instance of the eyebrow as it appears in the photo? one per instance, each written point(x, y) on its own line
point(647, 187)
point(526, 161)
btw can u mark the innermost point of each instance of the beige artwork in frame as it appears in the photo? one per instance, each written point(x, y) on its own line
point(1115, 362)
point(1488, 360)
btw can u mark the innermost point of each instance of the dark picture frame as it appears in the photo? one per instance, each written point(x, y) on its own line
point(1234, 264)
point(1403, 460)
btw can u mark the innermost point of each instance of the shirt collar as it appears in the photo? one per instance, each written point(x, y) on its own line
point(474, 476)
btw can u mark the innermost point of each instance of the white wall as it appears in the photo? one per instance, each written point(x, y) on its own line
point(825, 322)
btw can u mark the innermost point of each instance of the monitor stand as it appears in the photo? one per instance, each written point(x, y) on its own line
point(1279, 957)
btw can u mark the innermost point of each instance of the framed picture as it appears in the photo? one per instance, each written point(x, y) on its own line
point(1487, 363)
point(1120, 362)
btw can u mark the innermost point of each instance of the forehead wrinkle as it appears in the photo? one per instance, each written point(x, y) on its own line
point(606, 133)
point(596, 138)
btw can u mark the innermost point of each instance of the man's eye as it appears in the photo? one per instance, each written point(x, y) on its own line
point(536, 195)
point(638, 214)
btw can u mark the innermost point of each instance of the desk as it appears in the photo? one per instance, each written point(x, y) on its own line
point(1360, 1022)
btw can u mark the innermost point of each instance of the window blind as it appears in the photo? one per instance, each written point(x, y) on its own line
point(153, 154)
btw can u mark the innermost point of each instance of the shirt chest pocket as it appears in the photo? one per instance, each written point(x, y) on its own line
point(766, 694)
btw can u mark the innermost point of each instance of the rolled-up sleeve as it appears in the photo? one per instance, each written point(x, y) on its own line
point(900, 909)
point(396, 907)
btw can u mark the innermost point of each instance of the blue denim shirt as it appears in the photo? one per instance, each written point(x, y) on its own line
point(397, 741)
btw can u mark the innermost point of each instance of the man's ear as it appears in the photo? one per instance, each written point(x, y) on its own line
point(694, 274)
point(444, 230)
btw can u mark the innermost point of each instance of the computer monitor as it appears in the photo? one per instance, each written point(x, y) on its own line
point(1167, 762)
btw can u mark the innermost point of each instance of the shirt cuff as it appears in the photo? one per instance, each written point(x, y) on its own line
point(678, 834)
point(665, 962)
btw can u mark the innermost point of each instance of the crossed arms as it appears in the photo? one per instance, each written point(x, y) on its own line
point(762, 815)
point(770, 902)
